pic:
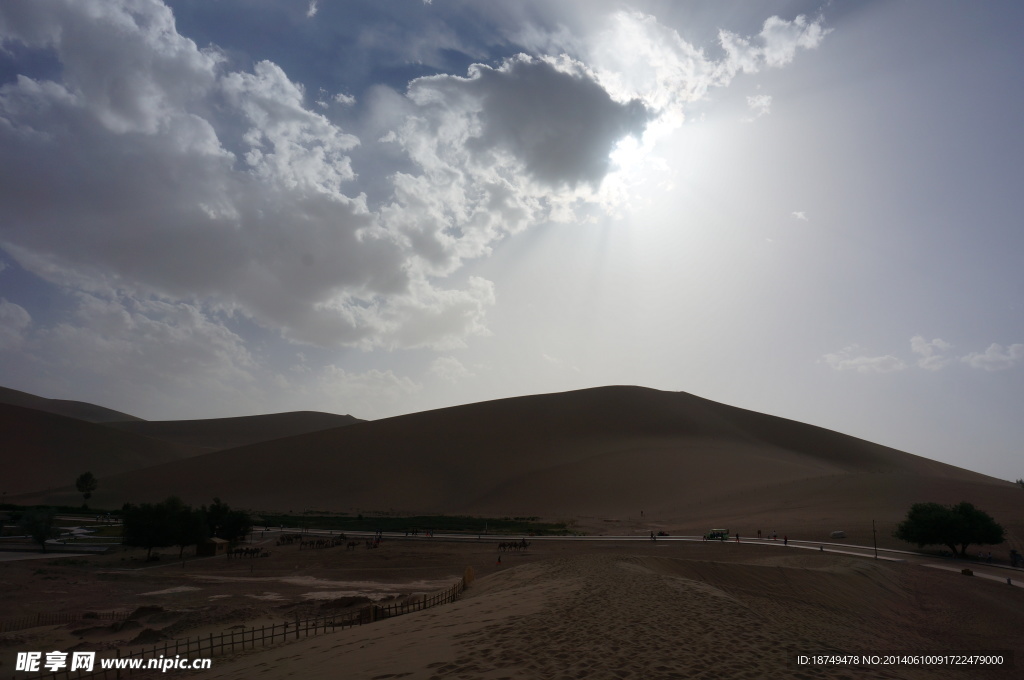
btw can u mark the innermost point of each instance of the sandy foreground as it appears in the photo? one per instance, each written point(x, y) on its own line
point(665, 614)
point(563, 609)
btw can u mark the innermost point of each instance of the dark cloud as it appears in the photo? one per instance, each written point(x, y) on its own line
point(559, 122)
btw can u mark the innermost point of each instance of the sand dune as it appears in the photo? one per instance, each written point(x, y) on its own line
point(226, 433)
point(586, 609)
point(62, 407)
point(46, 450)
point(52, 441)
point(606, 452)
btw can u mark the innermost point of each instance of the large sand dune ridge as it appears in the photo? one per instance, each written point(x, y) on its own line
point(603, 452)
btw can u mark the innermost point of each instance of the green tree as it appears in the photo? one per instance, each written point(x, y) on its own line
point(223, 522)
point(236, 526)
point(187, 526)
point(39, 524)
point(148, 526)
point(215, 515)
point(86, 484)
point(955, 526)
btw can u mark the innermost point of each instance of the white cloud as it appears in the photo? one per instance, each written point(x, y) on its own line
point(800, 215)
point(636, 56)
point(760, 104)
point(14, 321)
point(311, 12)
point(151, 357)
point(848, 359)
point(996, 357)
point(146, 357)
point(232, 192)
point(931, 357)
point(931, 352)
point(370, 394)
point(344, 99)
point(776, 45)
point(450, 369)
point(550, 118)
point(497, 151)
point(228, 191)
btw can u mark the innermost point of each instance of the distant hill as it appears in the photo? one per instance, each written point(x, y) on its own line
point(44, 450)
point(72, 409)
point(603, 452)
point(48, 442)
point(225, 433)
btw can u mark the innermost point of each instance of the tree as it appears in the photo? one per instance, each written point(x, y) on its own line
point(86, 484)
point(223, 522)
point(163, 524)
point(236, 526)
point(147, 526)
point(215, 515)
point(953, 526)
point(187, 526)
point(39, 524)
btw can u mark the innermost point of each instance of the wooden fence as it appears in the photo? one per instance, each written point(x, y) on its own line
point(56, 618)
point(210, 645)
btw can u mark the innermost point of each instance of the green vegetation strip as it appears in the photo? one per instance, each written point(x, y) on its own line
point(421, 523)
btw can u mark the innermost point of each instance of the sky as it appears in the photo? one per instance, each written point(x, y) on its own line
point(808, 209)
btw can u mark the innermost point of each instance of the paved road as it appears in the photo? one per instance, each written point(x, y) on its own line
point(996, 572)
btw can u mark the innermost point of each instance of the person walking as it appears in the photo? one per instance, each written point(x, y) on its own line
point(785, 540)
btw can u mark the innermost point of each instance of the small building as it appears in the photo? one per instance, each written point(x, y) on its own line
point(212, 547)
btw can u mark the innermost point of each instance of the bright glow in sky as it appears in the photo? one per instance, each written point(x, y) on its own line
point(809, 209)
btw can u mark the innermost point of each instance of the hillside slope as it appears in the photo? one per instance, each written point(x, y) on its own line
point(72, 409)
point(226, 433)
point(605, 452)
point(45, 450)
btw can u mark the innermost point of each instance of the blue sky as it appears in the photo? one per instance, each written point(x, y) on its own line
point(806, 209)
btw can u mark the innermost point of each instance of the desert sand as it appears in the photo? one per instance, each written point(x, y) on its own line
point(562, 609)
point(602, 452)
point(616, 461)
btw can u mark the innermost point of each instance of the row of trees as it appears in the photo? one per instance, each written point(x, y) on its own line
point(172, 523)
point(156, 525)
